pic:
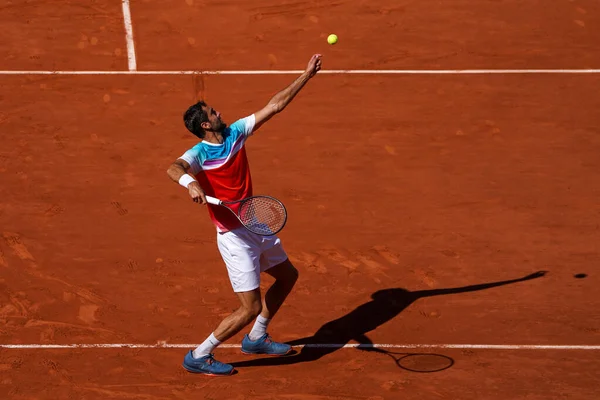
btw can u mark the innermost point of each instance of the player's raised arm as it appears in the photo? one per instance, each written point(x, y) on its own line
point(283, 98)
point(178, 172)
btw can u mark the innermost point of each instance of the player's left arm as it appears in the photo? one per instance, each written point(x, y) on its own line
point(280, 101)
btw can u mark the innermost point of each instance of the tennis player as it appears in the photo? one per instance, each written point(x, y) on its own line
point(217, 166)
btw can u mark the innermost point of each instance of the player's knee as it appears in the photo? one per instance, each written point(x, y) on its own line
point(285, 273)
point(293, 274)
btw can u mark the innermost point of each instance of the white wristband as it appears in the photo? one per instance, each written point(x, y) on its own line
point(185, 180)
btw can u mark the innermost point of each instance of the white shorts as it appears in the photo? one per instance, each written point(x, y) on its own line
point(246, 255)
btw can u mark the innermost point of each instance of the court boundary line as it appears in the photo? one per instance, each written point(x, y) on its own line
point(131, 59)
point(330, 345)
point(134, 71)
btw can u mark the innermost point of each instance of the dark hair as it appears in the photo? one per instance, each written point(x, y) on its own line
point(194, 117)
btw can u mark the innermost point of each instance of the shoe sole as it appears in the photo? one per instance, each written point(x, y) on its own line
point(207, 373)
point(268, 354)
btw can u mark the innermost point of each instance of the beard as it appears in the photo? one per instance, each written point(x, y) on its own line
point(219, 126)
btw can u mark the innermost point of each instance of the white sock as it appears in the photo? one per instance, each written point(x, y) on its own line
point(207, 347)
point(259, 328)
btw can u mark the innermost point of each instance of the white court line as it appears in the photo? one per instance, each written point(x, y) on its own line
point(132, 71)
point(391, 346)
point(129, 36)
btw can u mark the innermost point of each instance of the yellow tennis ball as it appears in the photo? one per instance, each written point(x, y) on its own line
point(332, 39)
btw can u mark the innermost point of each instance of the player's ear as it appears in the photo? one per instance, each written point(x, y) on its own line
point(206, 125)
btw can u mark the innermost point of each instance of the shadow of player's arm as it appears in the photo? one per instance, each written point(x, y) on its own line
point(474, 288)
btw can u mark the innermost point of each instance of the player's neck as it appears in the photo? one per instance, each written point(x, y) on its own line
point(213, 137)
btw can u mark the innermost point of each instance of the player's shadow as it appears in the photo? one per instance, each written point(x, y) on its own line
point(384, 306)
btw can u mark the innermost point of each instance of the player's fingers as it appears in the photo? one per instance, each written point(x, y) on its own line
point(202, 198)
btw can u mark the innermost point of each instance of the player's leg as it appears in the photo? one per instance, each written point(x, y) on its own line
point(241, 257)
point(274, 262)
point(285, 275)
point(201, 359)
point(251, 307)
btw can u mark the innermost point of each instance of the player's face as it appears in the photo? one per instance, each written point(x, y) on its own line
point(214, 118)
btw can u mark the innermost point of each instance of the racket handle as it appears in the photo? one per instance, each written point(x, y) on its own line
point(213, 200)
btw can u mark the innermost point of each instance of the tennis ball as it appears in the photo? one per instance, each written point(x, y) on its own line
point(332, 39)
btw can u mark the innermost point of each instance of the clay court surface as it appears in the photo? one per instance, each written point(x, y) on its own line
point(416, 202)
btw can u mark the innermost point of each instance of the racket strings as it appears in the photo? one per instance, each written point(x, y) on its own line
point(262, 215)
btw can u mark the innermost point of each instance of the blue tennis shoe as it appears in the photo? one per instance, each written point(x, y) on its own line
point(264, 345)
point(206, 365)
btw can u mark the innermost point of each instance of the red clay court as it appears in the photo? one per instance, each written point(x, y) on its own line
point(447, 150)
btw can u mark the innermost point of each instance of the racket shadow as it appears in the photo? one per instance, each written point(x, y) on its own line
point(415, 362)
point(384, 305)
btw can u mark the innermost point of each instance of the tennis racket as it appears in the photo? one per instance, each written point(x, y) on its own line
point(263, 215)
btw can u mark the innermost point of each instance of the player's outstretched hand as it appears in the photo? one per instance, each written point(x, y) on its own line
point(196, 193)
point(314, 65)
